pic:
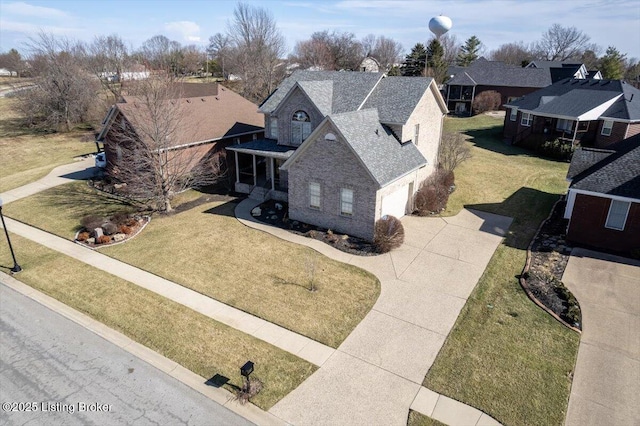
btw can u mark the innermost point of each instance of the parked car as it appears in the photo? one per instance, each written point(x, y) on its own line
point(101, 160)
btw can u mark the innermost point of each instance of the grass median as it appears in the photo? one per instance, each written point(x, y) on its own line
point(208, 250)
point(505, 355)
point(193, 340)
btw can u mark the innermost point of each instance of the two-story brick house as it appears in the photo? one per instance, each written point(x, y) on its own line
point(344, 148)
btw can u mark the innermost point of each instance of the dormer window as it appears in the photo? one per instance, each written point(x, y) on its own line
point(300, 127)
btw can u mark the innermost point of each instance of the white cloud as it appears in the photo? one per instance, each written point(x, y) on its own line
point(33, 29)
point(188, 30)
point(25, 9)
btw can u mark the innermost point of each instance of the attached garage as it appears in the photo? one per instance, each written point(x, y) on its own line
point(395, 204)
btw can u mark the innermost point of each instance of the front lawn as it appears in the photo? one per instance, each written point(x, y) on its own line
point(506, 356)
point(193, 340)
point(26, 156)
point(208, 250)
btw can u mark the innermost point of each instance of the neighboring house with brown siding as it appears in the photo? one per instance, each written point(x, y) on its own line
point(589, 112)
point(344, 148)
point(212, 117)
point(603, 201)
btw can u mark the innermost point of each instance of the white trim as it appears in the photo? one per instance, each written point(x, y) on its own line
point(310, 204)
point(384, 75)
point(601, 195)
point(203, 142)
point(626, 215)
point(529, 119)
point(513, 114)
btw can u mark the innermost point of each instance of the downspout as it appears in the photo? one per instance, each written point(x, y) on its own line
point(575, 133)
point(237, 168)
point(473, 95)
point(448, 95)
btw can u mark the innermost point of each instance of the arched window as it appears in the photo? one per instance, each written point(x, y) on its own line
point(300, 127)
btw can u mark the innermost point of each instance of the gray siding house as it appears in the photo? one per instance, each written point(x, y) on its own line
point(344, 148)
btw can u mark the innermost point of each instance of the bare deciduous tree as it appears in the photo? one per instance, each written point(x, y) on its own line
point(330, 51)
point(108, 58)
point(313, 54)
point(387, 51)
point(62, 93)
point(219, 49)
point(560, 43)
point(451, 48)
point(150, 161)
point(453, 151)
point(12, 61)
point(258, 46)
point(516, 53)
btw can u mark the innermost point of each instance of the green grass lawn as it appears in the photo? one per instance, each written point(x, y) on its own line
point(208, 250)
point(195, 341)
point(418, 419)
point(26, 156)
point(505, 355)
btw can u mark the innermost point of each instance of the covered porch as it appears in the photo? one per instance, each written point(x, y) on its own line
point(257, 166)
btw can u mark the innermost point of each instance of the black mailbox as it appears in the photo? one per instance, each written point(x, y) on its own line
point(246, 369)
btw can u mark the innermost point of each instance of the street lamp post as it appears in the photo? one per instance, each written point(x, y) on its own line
point(16, 268)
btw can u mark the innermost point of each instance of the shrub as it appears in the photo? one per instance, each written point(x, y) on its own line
point(446, 178)
point(120, 218)
point(103, 239)
point(91, 222)
point(388, 234)
point(109, 228)
point(572, 313)
point(131, 222)
point(489, 100)
point(556, 149)
point(250, 389)
point(83, 236)
point(124, 229)
point(433, 194)
point(453, 150)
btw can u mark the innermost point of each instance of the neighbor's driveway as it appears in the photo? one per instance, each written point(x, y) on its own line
point(606, 383)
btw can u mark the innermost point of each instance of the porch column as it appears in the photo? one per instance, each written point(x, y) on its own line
point(273, 174)
point(575, 133)
point(255, 175)
point(237, 168)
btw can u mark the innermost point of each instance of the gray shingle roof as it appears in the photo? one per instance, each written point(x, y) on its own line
point(382, 154)
point(264, 147)
point(617, 174)
point(494, 73)
point(320, 93)
point(576, 102)
point(583, 91)
point(349, 88)
point(583, 158)
point(553, 64)
point(397, 97)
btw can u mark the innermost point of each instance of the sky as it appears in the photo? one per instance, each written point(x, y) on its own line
point(494, 22)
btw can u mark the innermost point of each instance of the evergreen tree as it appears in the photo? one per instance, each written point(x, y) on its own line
point(469, 52)
point(436, 65)
point(612, 64)
point(415, 61)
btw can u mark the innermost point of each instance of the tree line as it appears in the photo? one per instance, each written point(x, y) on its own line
point(68, 74)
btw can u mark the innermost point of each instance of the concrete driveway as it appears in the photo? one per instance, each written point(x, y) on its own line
point(606, 383)
point(375, 375)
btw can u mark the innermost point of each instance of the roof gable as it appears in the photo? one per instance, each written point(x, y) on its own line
point(350, 89)
point(382, 155)
point(616, 174)
point(396, 98)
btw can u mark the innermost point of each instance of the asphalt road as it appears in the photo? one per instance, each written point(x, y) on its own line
point(55, 372)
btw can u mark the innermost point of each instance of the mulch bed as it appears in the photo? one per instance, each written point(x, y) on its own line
point(275, 213)
point(546, 261)
point(134, 226)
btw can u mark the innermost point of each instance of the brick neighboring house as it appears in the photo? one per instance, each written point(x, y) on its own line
point(591, 112)
point(603, 201)
point(212, 117)
point(344, 148)
point(510, 81)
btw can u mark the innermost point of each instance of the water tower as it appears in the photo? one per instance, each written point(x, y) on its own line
point(439, 25)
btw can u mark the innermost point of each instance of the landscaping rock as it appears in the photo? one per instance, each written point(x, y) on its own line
point(97, 233)
point(256, 211)
point(90, 241)
point(119, 237)
point(278, 206)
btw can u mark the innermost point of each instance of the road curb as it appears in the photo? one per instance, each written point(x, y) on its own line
point(167, 366)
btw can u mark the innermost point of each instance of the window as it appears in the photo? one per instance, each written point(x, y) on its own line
point(607, 125)
point(617, 214)
point(273, 128)
point(564, 125)
point(300, 127)
point(416, 134)
point(527, 119)
point(514, 114)
point(346, 202)
point(314, 195)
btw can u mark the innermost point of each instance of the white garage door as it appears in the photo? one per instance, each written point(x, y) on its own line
point(395, 203)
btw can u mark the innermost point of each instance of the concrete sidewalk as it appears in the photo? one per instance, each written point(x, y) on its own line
point(606, 383)
point(81, 169)
point(375, 376)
